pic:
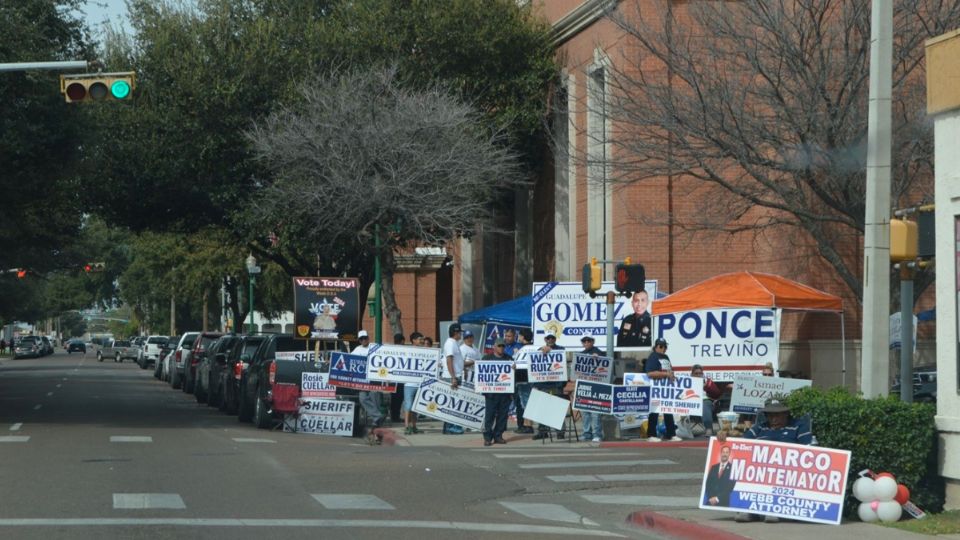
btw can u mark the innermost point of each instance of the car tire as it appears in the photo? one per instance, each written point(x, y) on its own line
point(175, 379)
point(244, 407)
point(261, 412)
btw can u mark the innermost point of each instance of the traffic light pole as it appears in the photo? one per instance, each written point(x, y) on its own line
point(611, 301)
point(50, 66)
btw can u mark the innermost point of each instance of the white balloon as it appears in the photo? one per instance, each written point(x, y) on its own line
point(885, 488)
point(866, 513)
point(889, 511)
point(863, 489)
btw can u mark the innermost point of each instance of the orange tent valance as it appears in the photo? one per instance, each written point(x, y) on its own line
point(750, 290)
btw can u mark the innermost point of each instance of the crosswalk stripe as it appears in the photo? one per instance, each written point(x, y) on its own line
point(143, 501)
point(576, 464)
point(624, 477)
point(548, 512)
point(593, 453)
point(249, 440)
point(129, 438)
point(352, 501)
point(644, 500)
point(14, 438)
point(16, 427)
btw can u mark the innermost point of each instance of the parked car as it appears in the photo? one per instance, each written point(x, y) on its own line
point(206, 389)
point(159, 370)
point(200, 347)
point(150, 352)
point(28, 347)
point(235, 364)
point(46, 345)
point(180, 357)
point(118, 349)
point(76, 345)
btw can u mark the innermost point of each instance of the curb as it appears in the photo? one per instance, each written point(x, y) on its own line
point(387, 436)
point(678, 528)
point(662, 444)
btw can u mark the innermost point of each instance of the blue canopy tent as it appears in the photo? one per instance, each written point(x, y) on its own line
point(515, 312)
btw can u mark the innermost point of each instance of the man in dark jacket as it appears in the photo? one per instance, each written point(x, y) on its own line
point(657, 366)
point(497, 405)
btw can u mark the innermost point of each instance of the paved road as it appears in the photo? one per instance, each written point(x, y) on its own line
point(103, 450)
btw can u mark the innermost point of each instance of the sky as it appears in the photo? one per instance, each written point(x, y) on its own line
point(99, 11)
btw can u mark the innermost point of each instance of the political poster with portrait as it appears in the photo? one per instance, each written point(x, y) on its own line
point(493, 377)
point(681, 395)
point(323, 417)
point(350, 371)
point(726, 342)
point(593, 397)
point(751, 391)
point(401, 363)
point(804, 483)
point(493, 331)
point(564, 310)
point(437, 399)
point(546, 367)
point(588, 367)
point(326, 308)
point(316, 385)
point(631, 400)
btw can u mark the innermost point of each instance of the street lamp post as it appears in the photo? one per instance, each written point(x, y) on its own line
point(252, 270)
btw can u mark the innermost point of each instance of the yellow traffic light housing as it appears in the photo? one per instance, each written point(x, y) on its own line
point(903, 240)
point(89, 87)
point(592, 277)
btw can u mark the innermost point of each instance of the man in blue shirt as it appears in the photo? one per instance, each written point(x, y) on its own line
point(657, 366)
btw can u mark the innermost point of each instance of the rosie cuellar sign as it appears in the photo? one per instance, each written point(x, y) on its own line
point(326, 308)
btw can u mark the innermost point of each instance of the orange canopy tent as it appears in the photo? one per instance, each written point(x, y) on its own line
point(752, 290)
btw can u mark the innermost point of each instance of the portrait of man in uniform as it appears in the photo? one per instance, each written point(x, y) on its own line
point(636, 329)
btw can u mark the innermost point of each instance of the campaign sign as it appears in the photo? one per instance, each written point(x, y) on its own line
point(469, 379)
point(593, 397)
point(325, 417)
point(296, 356)
point(326, 308)
point(749, 392)
point(437, 399)
point(316, 385)
point(546, 367)
point(630, 421)
point(401, 363)
point(682, 395)
point(493, 377)
point(350, 371)
point(726, 342)
point(631, 400)
point(587, 367)
point(494, 331)
point(805, 483)
point(564, 310)
point(522, 356)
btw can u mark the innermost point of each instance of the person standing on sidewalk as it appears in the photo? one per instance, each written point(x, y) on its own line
point(410, 394)
point(511, 347)
point(592, 428)
point(396, 399)
point(497, 405)
point(453, 360)
point(657, 366)
point(552, 388)
point(370, 401)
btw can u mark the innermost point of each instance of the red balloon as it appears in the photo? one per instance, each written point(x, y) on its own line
point(881, 475)
point(903, 494)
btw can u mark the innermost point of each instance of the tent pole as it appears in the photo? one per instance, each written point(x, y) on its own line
point(843, 350)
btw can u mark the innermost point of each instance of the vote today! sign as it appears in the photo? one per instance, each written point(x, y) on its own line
point(805, 483)
point(323, 417)
point(682, 395)
point(751, 391)
point(437, 399)
point(401, 363)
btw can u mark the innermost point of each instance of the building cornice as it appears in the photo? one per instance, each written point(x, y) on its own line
point(587, 13)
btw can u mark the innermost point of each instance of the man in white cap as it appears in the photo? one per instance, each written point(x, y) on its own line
point(370, 401)
point(453, 361)
point(592, 428)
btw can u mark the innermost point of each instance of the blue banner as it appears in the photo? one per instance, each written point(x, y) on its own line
point(593, 397)
point(631, 400)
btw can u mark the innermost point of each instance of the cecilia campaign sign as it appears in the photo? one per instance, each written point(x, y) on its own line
point(681, 395)
point(564, 310)
point(593, 397)
point(402, 364)
point(588, 367)
point(324, 417)
point(805, 483)
point(493, 377)
point(326, 308)
point(726, 342)
point(750, 391)
point(631, 400)
point(437, 399)
point(317, 385)
point(350, 371)
point(546, 367)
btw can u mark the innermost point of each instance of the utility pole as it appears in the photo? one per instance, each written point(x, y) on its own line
point(874, 359)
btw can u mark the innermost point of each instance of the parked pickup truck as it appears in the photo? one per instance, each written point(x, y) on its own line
point(270, 387)
point(119, 350)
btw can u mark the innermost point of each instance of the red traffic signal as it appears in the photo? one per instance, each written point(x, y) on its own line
point(21, 273)
point(87, 268)
point(630, 278)
point(94, 267)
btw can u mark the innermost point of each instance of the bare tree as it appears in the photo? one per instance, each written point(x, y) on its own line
point(374, 166)
point(764, 104)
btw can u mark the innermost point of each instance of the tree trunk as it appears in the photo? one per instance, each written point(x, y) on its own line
point(173, 313)
point(390, 308)
point(206, 309)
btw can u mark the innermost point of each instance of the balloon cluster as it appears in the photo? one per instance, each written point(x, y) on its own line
point(880, 498)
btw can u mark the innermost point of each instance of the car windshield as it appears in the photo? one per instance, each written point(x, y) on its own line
point(157, 340)
point(121, 343)
point(28, 339)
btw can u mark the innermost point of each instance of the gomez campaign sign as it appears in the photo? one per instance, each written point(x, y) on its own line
point(805, 483)
point(437, 399)
point(402, 363)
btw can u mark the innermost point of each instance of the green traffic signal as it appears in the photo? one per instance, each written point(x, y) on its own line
point(120, 89)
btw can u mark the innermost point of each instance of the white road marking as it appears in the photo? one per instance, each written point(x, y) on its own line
point(644, 500)
point(16, 427)
point(49, 394)
point(549, 512)
point(349, 501)
point(59, 385)
point(37, 407)
point(64, 378)
point(575, 464)
point(625, 477)
point(14, 438)
point(317, 523)
point(593, 453)
point(128, 438)
point(141, 501)
point(242, 439)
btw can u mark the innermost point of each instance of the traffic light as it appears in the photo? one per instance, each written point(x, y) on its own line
point(592, 277)
point(630, 278)
point(21, 273)
point(87, 87)
point(94, 267)
point(903, 240)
